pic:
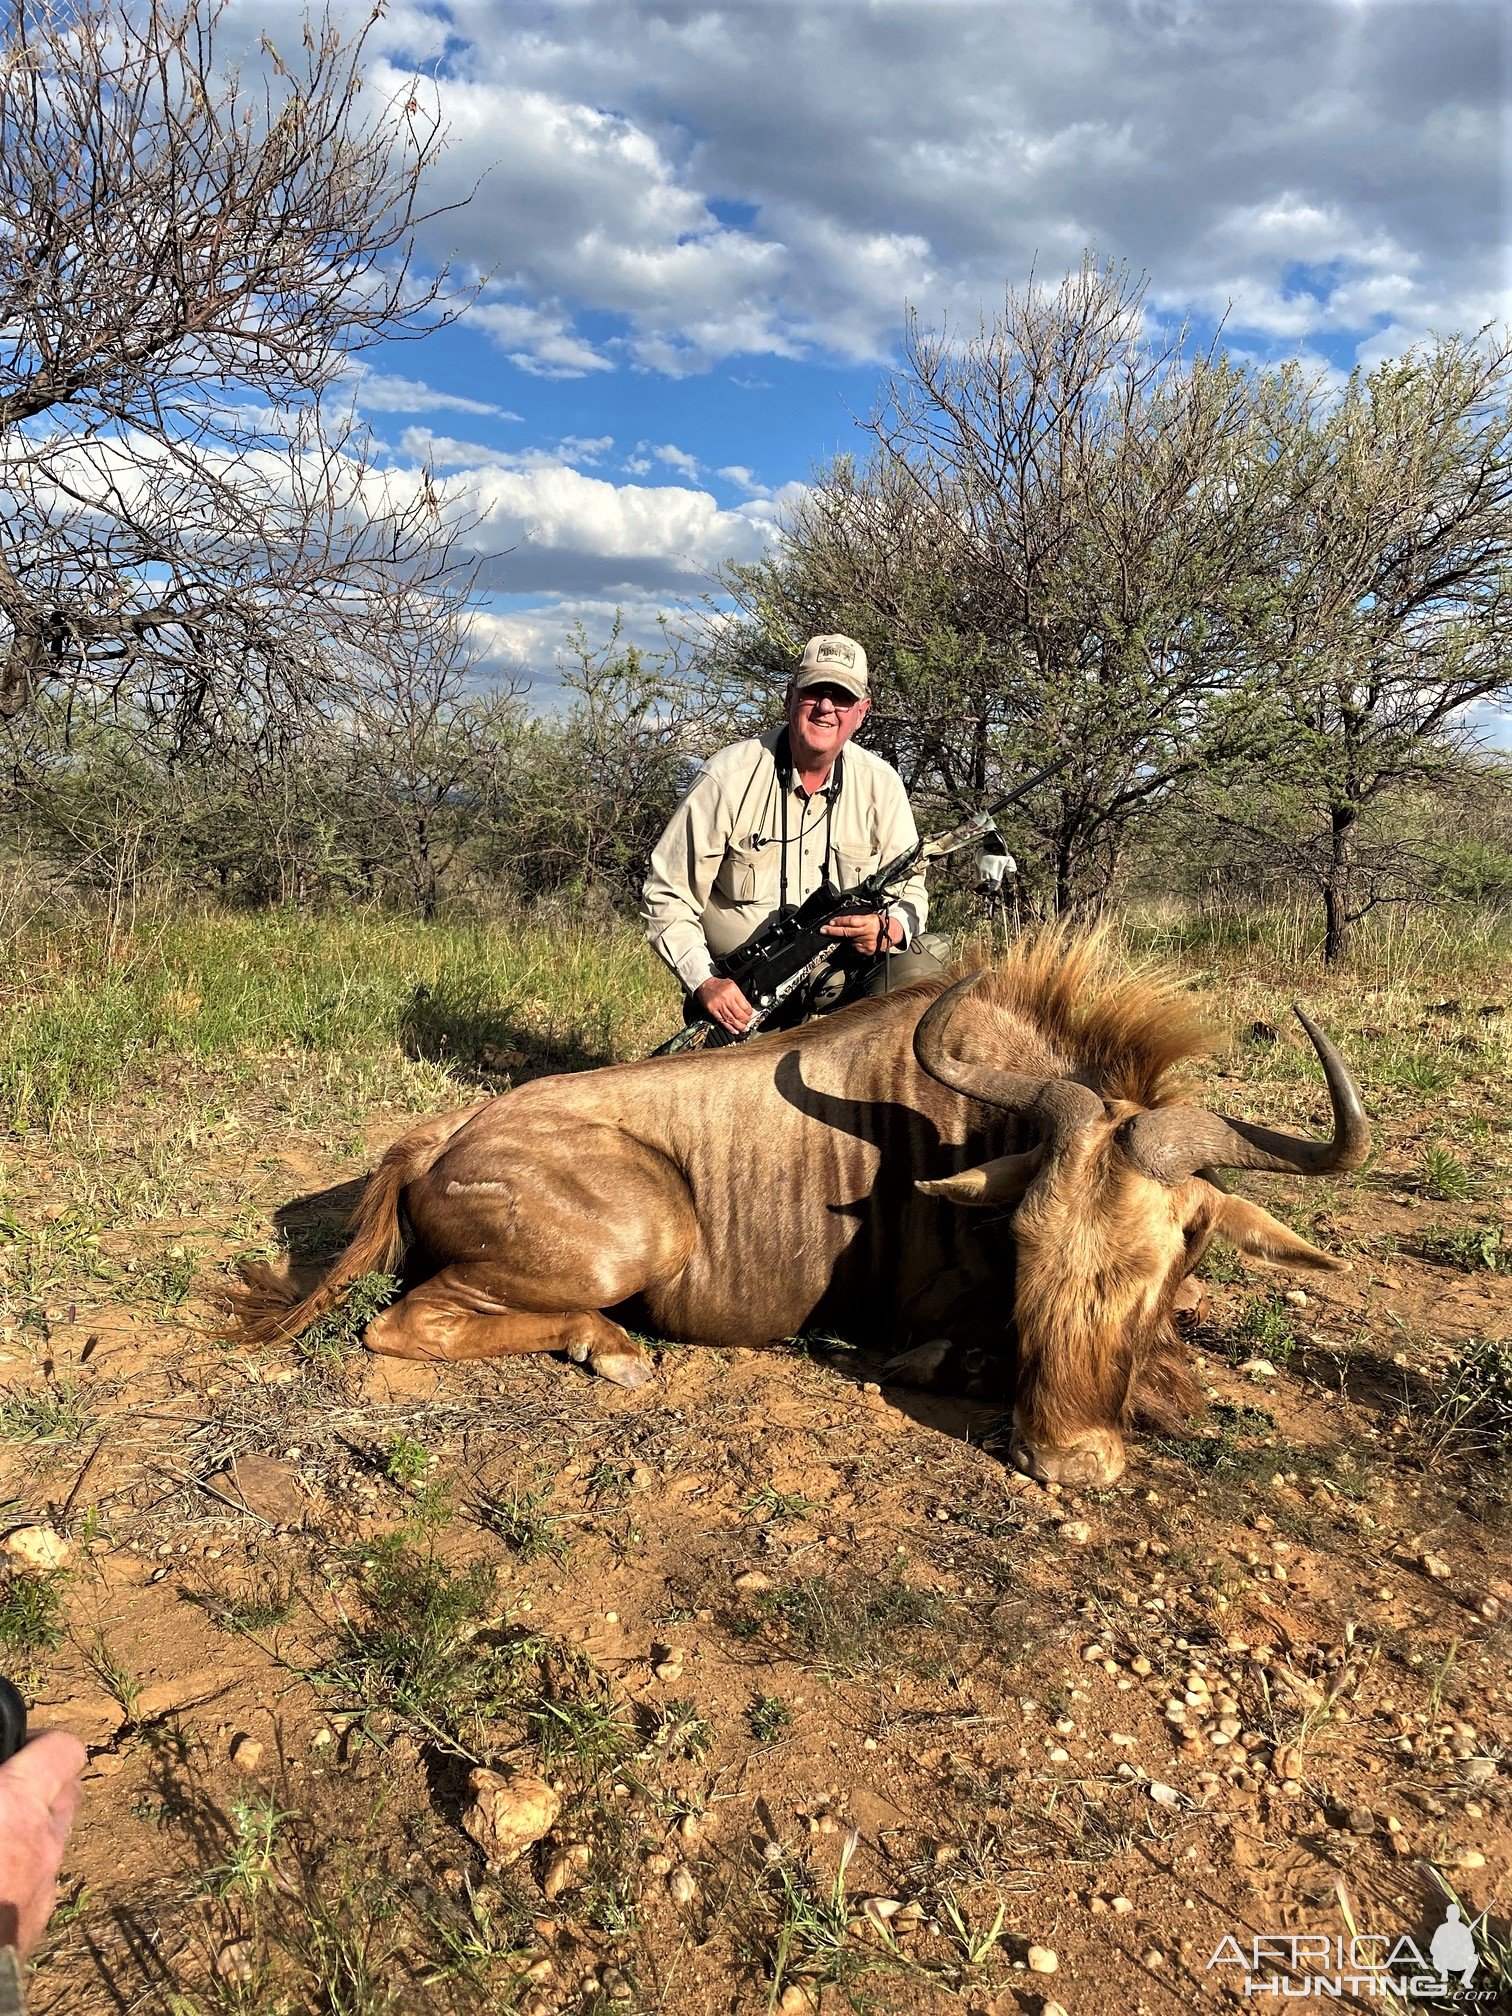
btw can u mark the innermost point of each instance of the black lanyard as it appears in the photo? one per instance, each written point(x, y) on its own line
point(783, 757)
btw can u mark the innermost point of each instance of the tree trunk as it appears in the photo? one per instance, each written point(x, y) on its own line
point(1065, 890)
point(1336, 886)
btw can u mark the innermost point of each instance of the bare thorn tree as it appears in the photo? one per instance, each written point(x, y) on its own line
point(191, 255)
point(1053, 552)
point(1391, 616)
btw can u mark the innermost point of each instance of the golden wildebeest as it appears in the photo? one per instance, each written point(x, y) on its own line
point(1003, 1159)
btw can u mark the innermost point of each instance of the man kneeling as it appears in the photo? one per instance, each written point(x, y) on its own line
point(770, 819)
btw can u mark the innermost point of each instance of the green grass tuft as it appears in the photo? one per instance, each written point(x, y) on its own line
point(1444, 1175)
point(1233, 1450)
point(31, 1613)
point(768, 1717)
point(338, 1332)
point(1474, 1248)
point(523, 1523)
point(1264, 1329)
point(405, 1461)
point(56, 1413)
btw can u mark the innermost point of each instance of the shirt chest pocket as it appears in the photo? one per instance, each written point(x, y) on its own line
point(748, 875)
point(854, 868)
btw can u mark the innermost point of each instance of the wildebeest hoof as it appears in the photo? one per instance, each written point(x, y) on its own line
point(921, 1366)
point(1094, 1458)
point(625, 1368)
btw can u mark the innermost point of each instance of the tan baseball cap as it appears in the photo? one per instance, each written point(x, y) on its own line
point(833, 660)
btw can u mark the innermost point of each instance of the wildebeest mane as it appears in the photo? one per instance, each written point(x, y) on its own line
point(1120, 1028)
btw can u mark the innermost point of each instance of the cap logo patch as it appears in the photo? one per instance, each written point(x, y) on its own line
point(842, 652)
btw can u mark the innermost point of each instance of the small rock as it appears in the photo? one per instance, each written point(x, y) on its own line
point(1435, 1567)
point(1075, 1532)
point(236, 1960)
point(1041, 1960)
point(1297, 1297)
point(1468, 1858)
point(246, 1752)
point(796, 2001)
point(267, 1487)
point(1051, 2009)
point(1123, 1906)
point(508, 1814)
point(1258, 1368)
point(36, 1550)
point(752, 1581)
point(1164, 1795)
point(681, 1884)
point(1152, 1957)
point(565, 1870)
point(1360, 1820)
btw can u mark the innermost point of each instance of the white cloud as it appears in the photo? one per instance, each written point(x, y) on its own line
point(530, 642)
point(384, 392)
point(565, 530)
point(443, 451)
point(689, 181)
point(538, 338)
point(744, 479)
point(677, 458)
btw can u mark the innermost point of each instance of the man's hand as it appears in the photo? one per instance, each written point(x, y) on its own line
point(723, 1002)
point(868, 933)
point(39, 1789)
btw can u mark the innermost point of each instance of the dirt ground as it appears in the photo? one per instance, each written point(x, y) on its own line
point(833, 1710)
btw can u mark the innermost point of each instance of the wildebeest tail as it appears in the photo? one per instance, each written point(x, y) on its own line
point(267, 1307)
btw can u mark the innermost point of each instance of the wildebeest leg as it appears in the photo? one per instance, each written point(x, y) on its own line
point(459, 1313)
point(922, 1365)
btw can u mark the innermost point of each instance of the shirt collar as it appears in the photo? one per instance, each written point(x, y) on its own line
point(775, 739)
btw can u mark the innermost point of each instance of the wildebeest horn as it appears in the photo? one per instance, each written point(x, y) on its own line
point(1012, 1090)
point(1058, 1103)
point(1175, 1141)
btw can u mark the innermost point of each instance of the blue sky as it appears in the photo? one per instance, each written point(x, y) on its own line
point(697, 227)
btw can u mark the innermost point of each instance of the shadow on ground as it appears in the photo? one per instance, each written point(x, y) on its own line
point(484, 1044)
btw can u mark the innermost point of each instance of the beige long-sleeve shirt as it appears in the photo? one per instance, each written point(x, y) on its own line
point(716, 873)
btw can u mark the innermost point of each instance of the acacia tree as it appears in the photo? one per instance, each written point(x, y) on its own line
point(1054, 553)
point(1391, 614)
point(190, 257)
point(424, 763)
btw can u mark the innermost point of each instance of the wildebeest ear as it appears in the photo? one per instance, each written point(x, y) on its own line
point(1253, 1230)
point(1002, 1181)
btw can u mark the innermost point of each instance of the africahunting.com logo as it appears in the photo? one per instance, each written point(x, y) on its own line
point(1321, 1964)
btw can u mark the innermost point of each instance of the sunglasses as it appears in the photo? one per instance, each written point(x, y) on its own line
point(836, 696)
